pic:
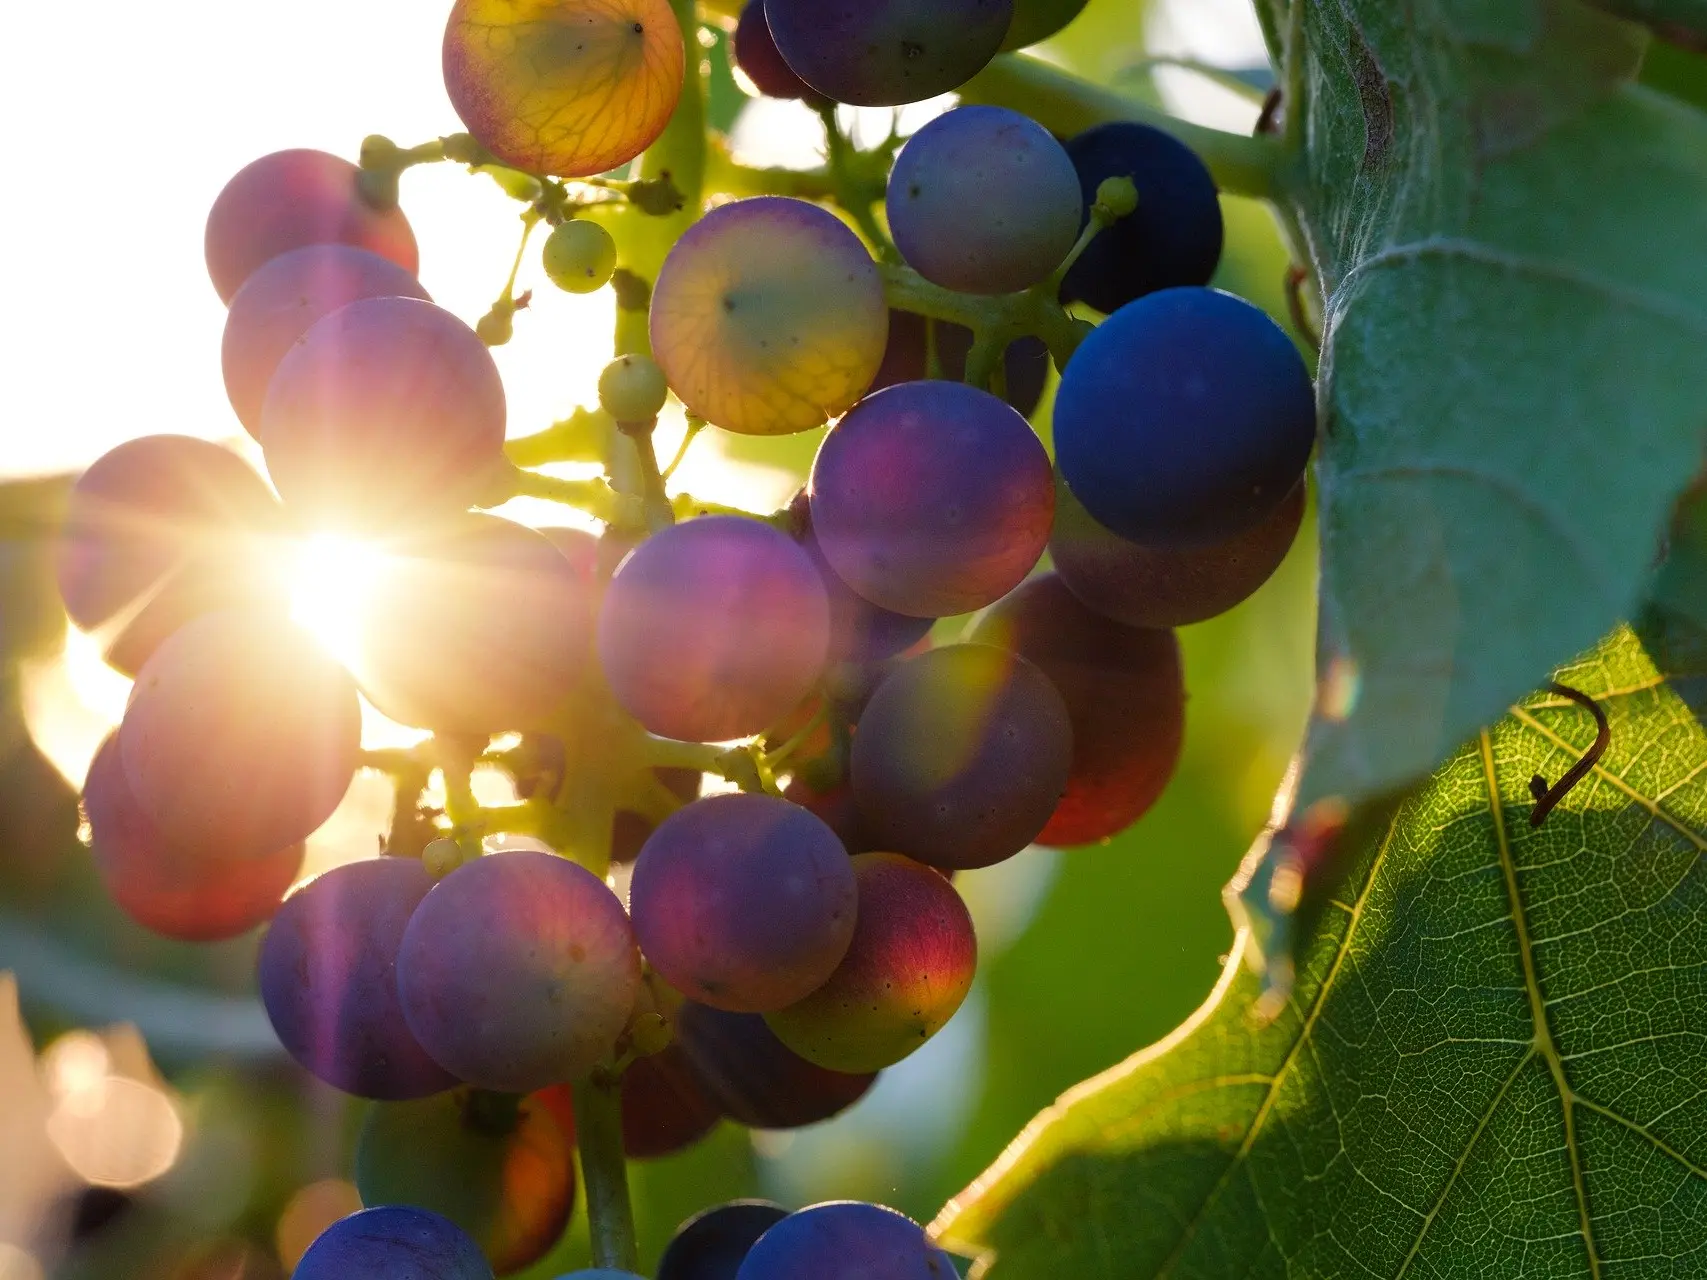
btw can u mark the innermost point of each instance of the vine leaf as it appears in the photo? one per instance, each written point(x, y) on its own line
point(1490, 1063)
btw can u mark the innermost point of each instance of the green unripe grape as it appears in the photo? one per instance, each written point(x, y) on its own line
point(441, 857)
point(632, 388)
point(580, 256)
point(1117, 196)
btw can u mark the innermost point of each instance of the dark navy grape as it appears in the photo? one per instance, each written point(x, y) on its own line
point(1185, 418)
point(1172, 238)
point(754, 1077)
point(906, 358)
point(844, 1240)
point(757, 58)
point(882, 53)
point(711, 1245)
point(393, 1242)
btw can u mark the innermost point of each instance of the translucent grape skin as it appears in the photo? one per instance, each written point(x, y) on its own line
point(1166, 586)
point(280, 301)
point(1185, 418)
point(386, 412)
point(983, 200)
point(961, 756)
point(768, 316)
point(844, 1240)
point(393, 1242)
point(1173, 238)
point(665, 1108)
point(908, 968)
point(756, 57)
point(713, 629)
point(193, 897)
point(712, 1244)
point(1025, 363)
point(477, 626)
point(756, 1079)
point(518, 969)
point(932, 498)
point(1036, 20)
point(157, 531)
point(327, 976)
point(497, 1166)
point(293, 198)
point(743, 902)
point(1125, 696)
point(884, 55)
point(563, 87)
point(241, 735)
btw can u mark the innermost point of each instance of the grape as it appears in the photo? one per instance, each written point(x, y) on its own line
point(157, 531)
point(743, 902)
point(632, 389)
point(932, 498)
point(580, 256)
point(909, 966)
point(630, 831)
point(293, 198)
point(711, 1245)
point(386, 410)
point(883, 55)
point(564, 87)
point(394, 1242)
point(479, 626)
point(497, 1166)
point(757, 58)
point(713, 629)
point(241, 735)
point(1025, 363)
point(1037, 20)
point(1167, 586)
point(961, 756)
point(519, 969)
point(754, 1077)
point(1172, 238)
point(1185, 417)
point(197, 896)
point(843, 1240)
point(282, 299)
point(664, 1106)
point(860, 631)
point(601, 1273)
point(768, 317)
point(983, 200)
point(835, 808)
point(1124, 694)
point(327, 974)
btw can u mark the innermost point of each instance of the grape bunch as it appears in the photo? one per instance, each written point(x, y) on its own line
point(794, 929)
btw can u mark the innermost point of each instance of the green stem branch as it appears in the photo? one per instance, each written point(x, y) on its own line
point(581, 437)
point(598, 1130)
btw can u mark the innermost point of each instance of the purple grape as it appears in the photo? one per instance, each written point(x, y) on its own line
point(1025, 363)
point(293, 198)
point(712, 1244)
point(629, 831)
point(754, 1077)
point(282, 299)
point(844, 1240)
point(983, 200)
point(664, 1106)
point(932, 498)
point(714, 629)
point(393, 1242)
point(860, 631)
point(518, 970)
point(757, 58)
point(328, 979)
point(743, 902)
point(882, 53)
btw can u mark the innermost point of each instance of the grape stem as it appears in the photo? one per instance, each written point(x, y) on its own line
point(696, 424)
point(856, 192)
point(598, 1132)
point(584, 436)
point(593, 496)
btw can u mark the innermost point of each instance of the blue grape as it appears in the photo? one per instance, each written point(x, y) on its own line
point(1025, 363)
point(844, 1240)
point(1173, 237)
point(743, 902)
point(1185, 418)
point(328, 979)
point(885, 54)
point(932, 498)
point(755, 1078)
point(712, 1244)
point(393, 1242)
point(983, 200)
point(714, 629)
point(860, 632)
point(758, 59)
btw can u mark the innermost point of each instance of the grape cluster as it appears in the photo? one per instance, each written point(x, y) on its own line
point(784, 941)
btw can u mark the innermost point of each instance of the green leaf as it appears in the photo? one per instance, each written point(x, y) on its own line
point(1490, 1064)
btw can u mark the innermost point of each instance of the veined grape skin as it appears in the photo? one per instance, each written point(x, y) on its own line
point(282, 298)
point(195, 896)
point(743, 902)
point(906, 358)
point(887, 54)
point(518, 970)
point(983, 200)
point(293, 198)
point(757, 1080)
point(1185, 418)
point(665, 1109)
point(713, 629)
point(569, 88)
point(241, 734)
point(328, 979)
point(387, 411)
point(843, 1240)
point(908, 968)
point(712, 1244)
point(393, 1242)
point(932, 498)
point(961, 756)
point(768, 316)
point(159, 530)
point(1124, 693)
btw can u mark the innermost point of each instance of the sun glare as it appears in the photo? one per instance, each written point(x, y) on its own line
point(330, 580)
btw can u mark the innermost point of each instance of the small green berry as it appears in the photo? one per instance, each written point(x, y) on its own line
point(632, 388)
point(441, 857)
point(1118, 196)
point(580, 256)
